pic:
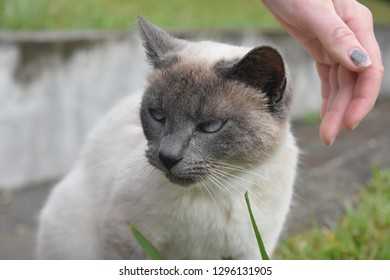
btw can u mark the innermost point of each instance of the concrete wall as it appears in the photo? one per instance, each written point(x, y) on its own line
point(55, 86)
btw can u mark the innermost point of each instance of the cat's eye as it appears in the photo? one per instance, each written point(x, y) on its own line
point(157, 114)
point(211, 126)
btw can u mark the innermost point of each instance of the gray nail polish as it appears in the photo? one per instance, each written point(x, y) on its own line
point(360, 58)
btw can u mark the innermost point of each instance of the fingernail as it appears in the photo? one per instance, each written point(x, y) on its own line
point(331, 141)
point(355, 126)
point(360, 58)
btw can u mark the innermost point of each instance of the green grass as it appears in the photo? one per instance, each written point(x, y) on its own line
point(260, 244)
point(120, 14)
point(152, 252)
point(364, 232)
point(311, 118)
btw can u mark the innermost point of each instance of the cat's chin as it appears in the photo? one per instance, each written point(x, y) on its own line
point(181, 181)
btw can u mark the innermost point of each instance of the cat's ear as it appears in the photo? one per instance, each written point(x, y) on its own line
point(158, 44)
point(261, 68)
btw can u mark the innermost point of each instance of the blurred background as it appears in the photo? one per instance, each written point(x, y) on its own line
point(65, 63)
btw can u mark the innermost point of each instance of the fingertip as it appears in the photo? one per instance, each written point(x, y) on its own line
point(326, 138)
point(357, 111)
point(330, 127)
point(351, 126)
point(351, 122)
point(356, 59)
point(359, 58)
point(326, 135)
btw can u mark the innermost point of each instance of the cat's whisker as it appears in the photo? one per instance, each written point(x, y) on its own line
point(133, 164)
point(199, 179)
point(218, 183)
point(134, 155)
point(242, 189)
point(141, 167)
point(214, 184)
point(152, 172)
point(233, 167)
point(134, 161)
point(227, 171)
point(87, 168)
point(225, 184)
point(229, 167)
point(212, 174)
point(270, 157)
point(205, 185)
point(126, 172)
point(217, 166)
point(295, 194)
point(239, 181)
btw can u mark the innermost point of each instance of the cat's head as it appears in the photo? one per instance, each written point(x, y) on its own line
point(209, 105)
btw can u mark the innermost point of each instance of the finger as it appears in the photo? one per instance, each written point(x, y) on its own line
point(323, 72)
point(333, 119)
point(368, 83)
point(367, 87)
point(366, 92)
point(333, 85)
point(328, 123)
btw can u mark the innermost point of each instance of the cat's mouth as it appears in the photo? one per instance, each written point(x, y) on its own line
point(182, 181)
point(184, 176)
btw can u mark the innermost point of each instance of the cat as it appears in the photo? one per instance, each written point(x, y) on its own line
point(176, 160)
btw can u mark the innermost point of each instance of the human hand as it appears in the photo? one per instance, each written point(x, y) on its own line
point(339, 35)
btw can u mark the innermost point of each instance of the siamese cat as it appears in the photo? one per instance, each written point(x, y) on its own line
point(176, 159)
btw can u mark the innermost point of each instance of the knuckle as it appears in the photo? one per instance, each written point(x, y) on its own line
point(340, 34)
point(366, 13)
point(356, 10)
point(381, 71)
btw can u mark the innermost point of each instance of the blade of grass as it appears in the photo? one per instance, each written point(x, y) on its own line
point(263, 252)
point(148, 247)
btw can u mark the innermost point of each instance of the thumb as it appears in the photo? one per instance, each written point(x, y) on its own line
point(341, 43)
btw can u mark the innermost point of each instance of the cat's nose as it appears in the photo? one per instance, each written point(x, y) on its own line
point(168, 160)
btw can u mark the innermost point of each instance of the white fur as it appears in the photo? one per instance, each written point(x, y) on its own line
point(213, 52)
point(87, 213)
